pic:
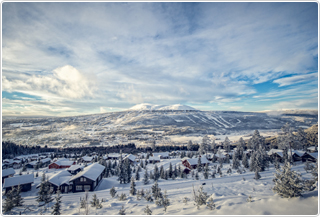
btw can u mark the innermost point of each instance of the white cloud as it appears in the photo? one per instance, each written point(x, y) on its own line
point(65, 82)
point(296, 79)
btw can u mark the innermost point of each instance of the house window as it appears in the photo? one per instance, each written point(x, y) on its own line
point(51, 188)
point(87, 187)
point(84, 179)
point(79, 187)
point(81, 179)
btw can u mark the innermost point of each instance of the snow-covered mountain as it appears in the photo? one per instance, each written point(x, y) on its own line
point(150, 107)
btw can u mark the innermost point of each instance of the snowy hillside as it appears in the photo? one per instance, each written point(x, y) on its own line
point(229, 192)
point(150, 107)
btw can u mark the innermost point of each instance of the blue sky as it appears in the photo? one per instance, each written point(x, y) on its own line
point(82, 58)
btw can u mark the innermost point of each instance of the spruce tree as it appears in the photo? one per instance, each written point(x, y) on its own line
point(206, 172)
point(113, 192)
point(156, 191)
point(133, 190)
point(288, 183)
point(147, 210)
point(257, 175)
point(57, 206)
point(8, 202)
point(199, 165)
point(245, 162)
point(146, 177)
point(137, 175)
point(165, 201)
point(162, 172)
point(156, 174)
point(170, 170)
point(17, 199)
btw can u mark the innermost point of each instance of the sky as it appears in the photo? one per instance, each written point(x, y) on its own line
point(63, 59)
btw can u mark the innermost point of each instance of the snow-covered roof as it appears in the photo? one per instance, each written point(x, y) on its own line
point(113, 155)
point(312, 148)
point(194, 161)
point(314, 155)
point(272, 151)
point(130, 157)
point(75, 167)
point(8, 172)
point(298, 152)
point(87, 158)
point(60, 178)
point(64, 162)
point(162, 154)
point(33, 163)
point(45, 160)
point(9, 161)
point(154, 158)
point(13, 181)
point(91, 172)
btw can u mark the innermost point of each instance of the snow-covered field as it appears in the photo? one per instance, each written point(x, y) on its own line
point(230, 194)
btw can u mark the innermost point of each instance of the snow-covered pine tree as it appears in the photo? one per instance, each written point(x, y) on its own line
point(170, 170)
point(288, 183)
point(256, 140)
point(257, 175)
point(226, 144)
point(127, 170)
point(245, 162)
point(197, 176)
point(161, 172)
point(95, 202)
point(146, 177)
point(133, 189)
point(8, 202)
point(121, 168)
point(17, 199)
point(165, 201)
point(113, 192)
point(200, 198)
point(44, 194)
point(206, 172)
point(156, 174)
point(199, 165)
point(122, 211)
point(235, 162)
point(122, 197)
point(137, 175)
point(210, 204)
point(57, 206)
point(147, 210)
point(242, 143)
point(156, 191)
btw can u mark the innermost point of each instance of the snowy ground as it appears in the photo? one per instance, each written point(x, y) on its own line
point(229, 192)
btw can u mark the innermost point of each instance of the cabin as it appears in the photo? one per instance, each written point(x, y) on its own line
point(60, 181)
point(24, 181)
point(130, 157)
point(16, 164)
point(154, 159)
point(86, 159)
point(45, 162)
point(88, 179)
point(162, 155)
point(276, 154)
point(74, 169)
point(313, 157)
point(192, 163)
point(312, 149)
point(113, 156)
point(7, 173)
point(61, 163)
point(31, 164)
